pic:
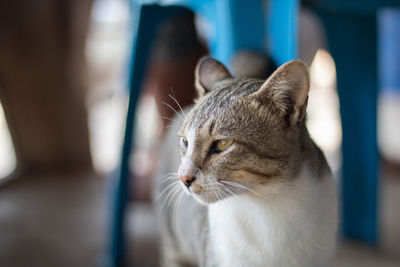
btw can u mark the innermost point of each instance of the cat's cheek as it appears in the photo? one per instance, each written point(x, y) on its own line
point(197, 189)
point(198, 192)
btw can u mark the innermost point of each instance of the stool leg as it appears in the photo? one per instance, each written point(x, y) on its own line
point(240, 25)
point(149, 17)
point(232, 31)
point(283, 29)
point(140, 52)
point(352, 42)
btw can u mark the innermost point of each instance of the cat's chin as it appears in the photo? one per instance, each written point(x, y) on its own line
point(201, 196)
point(204, 200)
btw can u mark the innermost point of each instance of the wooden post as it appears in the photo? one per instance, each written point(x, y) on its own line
point(43, 81)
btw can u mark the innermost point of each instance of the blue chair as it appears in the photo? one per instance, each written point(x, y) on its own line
point(236, 25)
point(351, 29)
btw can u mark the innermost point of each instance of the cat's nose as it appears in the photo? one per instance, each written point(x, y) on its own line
point(187, 180)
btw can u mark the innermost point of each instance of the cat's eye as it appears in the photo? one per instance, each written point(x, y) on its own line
point(222, 145)
point(184, 143)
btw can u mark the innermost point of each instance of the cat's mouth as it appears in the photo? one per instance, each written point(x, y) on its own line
point(194, 188)
point(210, 193)
point(205, 194)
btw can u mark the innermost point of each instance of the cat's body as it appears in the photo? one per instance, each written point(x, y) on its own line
point(289, 230)
point(245, 151)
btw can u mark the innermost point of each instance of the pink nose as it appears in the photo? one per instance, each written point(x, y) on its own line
point(187, 180)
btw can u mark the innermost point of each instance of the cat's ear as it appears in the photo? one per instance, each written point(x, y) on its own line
point(288, 88)
point(208, 73)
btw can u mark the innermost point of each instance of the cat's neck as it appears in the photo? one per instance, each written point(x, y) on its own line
point(257, 228)
point(272, 197)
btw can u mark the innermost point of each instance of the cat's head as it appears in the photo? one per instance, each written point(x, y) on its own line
point(243, 135)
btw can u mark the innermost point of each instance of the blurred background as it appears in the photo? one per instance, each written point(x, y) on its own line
point(64, 67)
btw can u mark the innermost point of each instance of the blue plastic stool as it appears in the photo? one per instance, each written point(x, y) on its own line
point(236, 25)
point(351, 28)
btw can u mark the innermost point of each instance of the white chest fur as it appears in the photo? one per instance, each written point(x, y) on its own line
point(296, 227)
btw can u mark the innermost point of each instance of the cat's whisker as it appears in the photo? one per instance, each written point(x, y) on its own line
point(215, 194)
point(180, 107)
point(169, 176)
point(230, 193)
point(225, 202)
point(170, 186)
point(174, 195)
point(174, 200)
point(176, 208)
point(170, 123)
point(166, 118)
point(171, 120)
point(225, 187)
point(223, 199)
point(172, 177)
point(229, 190)
point(176, 101)
point(168, 179)
point(243, 187)
point(170, 173)
point(171, 192)
point(176, 112)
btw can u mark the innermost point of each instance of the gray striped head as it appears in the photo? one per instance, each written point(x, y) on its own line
point(243, 135)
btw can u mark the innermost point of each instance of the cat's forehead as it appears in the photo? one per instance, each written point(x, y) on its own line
point(222, 108)
point(236, 87)
point(219, 102)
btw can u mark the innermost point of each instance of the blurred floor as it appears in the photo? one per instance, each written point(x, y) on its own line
point(52, 220)
point(60, 220)
point(388, 253)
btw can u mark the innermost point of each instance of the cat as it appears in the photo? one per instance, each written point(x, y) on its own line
point(251, 187)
